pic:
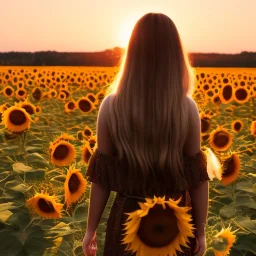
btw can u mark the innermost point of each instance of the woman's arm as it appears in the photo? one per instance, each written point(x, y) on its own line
point(98, 198)
point(99, 193)
point(199, 200)
point(200, 194)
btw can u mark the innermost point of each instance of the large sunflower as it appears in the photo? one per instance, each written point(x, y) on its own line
point(74, 185)
point(86, 152)
point(226, 239)
point(45, 205)
point(158, 228)
point(220, 139)
point(231, 168)
point(63, 136)
point(62, 153)
point(16, 119)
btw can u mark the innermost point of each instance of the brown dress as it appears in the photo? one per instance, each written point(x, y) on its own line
point(111, 172)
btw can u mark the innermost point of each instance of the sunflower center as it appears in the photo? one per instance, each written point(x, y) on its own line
point(230, 167)
point(17, 117)
point(217, 100)
point(21, 92)
point(61, 152)
point(28, 109)
point(73, 183)
point(237, 126)
point(221, 139)
point(84, 105)
point(87, 132)
point(205, 124)
point(71, 105)
point(227, 92)
point(37, 94)
point(91, 98)
point(241, 94)
point(86, 155)
point(45, 206)
point(159, 227)
point(8, 91)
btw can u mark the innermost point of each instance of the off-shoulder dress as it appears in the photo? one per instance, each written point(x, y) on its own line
point(111, 172)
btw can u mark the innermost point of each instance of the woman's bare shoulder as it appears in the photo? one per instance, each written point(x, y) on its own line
point(192, 143)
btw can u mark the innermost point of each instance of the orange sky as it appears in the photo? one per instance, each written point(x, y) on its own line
point(225, 26)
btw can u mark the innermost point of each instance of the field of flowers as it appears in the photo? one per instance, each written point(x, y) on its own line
point(48, 133)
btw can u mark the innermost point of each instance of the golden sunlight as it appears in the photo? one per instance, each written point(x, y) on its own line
point(126, 30)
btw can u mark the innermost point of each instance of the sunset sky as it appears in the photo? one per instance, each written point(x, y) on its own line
point(224, 26)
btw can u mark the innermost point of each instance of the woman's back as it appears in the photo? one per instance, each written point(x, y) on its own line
point(153, 126)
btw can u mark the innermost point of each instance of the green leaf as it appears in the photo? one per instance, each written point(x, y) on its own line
point(4, 215)
point(246, 223)
point(20, 167)
point(9, 245)
point(17, 186)
point(228, 210)
point(245, 186)
point(246, 243)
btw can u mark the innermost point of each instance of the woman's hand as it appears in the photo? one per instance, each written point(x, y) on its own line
point(89, 244)
point(200, 246)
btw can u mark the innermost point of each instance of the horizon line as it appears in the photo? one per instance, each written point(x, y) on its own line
point(109, 49)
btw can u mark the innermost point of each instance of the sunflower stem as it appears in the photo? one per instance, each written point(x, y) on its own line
point(29, 223)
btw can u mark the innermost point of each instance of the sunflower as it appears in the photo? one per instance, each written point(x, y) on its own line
point(53, 93)
point(74, 186)
point(45, 205)
point(220, 139)
point(67, 92)
point(28, 106)
point(21, 85)
point(79, 135)
point(226, 95)
point(63, 136)
point(253, 128)
point(8, 91)
point(87, 132)
point(70, 106)
point(159, 227)
point(16, 119)
point(100, 95)
point(37, 93)
point(86, 153)
point(62, 153)
point(241, 95)
point(62, 96)
point(38, 109)
point(85, 105)
point(231, 168)
point(91, 85)
point(237, 125)
point(205, 122)
point(223, 241)
point(92, 142)
point(92, 98)
point(21, 94)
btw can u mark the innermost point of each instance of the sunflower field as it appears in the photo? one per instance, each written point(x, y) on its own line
point(48, 133)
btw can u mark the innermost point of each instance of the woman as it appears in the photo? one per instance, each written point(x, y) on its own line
point(148, 138)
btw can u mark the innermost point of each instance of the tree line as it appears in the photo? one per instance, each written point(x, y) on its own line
point(112, 58)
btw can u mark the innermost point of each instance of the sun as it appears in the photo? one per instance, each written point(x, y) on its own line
point(125, 30)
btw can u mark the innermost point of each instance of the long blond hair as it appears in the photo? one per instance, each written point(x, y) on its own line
point(148, 111)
